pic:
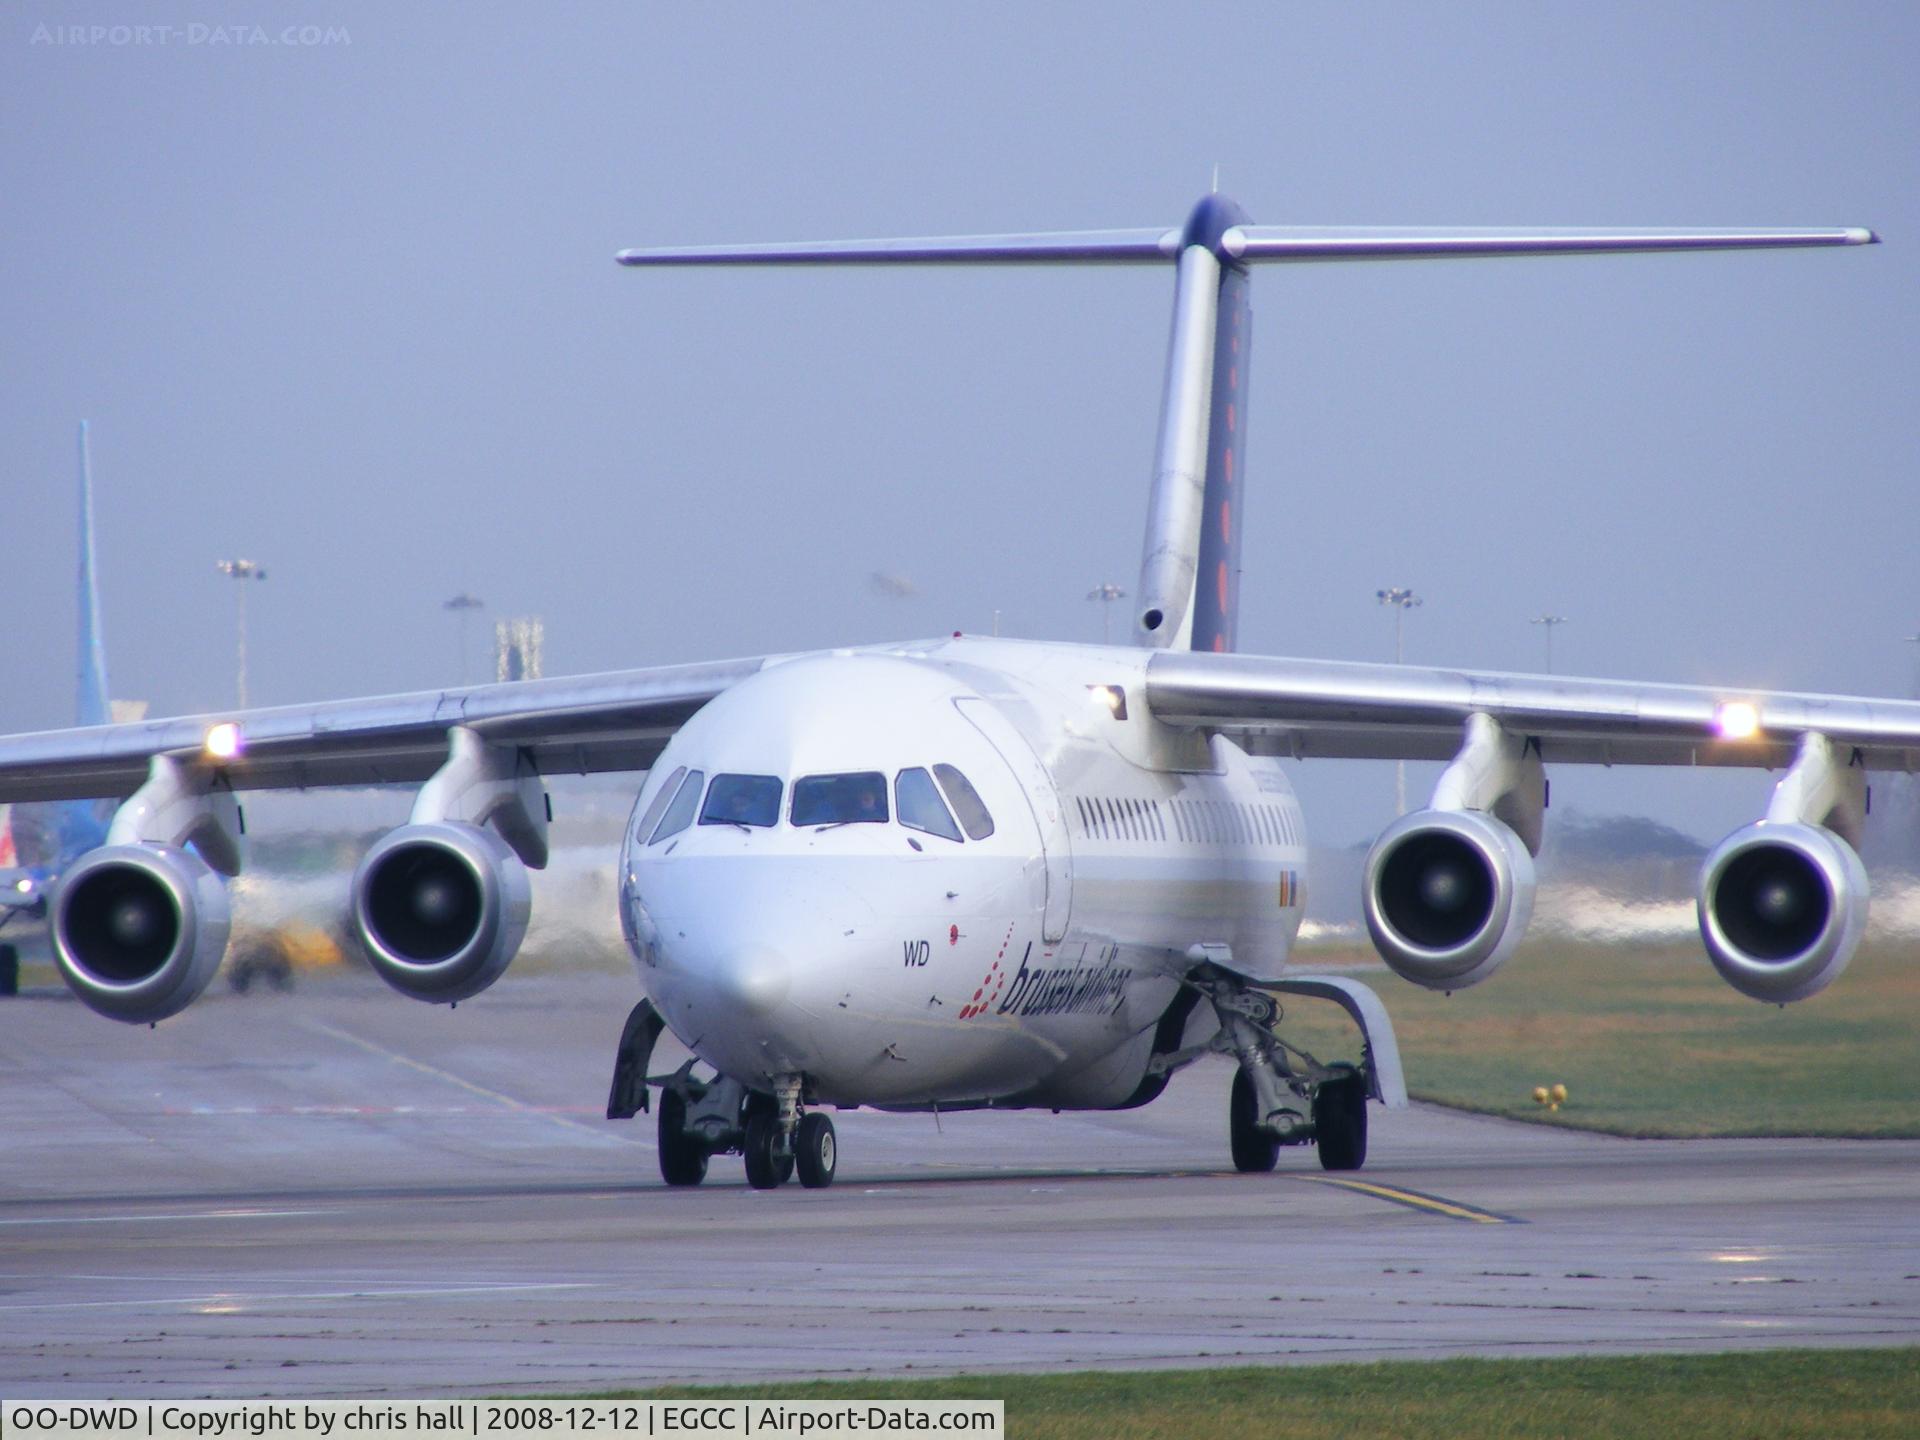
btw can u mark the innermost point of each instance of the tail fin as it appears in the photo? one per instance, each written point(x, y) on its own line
point(91, 706)
point(1190, 569)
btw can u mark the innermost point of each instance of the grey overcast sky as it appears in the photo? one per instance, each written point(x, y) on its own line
point(349, 308)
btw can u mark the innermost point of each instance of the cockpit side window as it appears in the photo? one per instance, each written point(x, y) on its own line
point(966, 802)
point(742, 800)
point(856, 799)
point(921, 807)
point(644, 826)
point(680, 813)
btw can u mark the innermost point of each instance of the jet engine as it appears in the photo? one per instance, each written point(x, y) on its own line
point(1782, 909)
point(1448, 894)
point(138, 930)
point(441, 908)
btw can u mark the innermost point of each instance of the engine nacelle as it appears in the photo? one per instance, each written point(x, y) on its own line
point(138, 930)
point(441, 909)
point(1448, 894)
point(1782, 909)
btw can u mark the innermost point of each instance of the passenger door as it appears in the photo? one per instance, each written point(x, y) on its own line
point(1042, 800)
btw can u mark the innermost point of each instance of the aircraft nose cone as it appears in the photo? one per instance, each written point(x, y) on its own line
point(754, 978)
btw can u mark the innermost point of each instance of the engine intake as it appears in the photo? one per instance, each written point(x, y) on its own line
point(1448, 894)
point(138, 930)
point(1782, 909)
point(441, 908)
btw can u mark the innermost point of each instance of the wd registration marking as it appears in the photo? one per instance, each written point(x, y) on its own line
point(334, 1418)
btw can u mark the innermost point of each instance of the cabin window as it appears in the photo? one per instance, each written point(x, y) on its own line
point(742, 800)
point(680, 813)
point(966, 802)
point(855, 799)
point(644, 826)
point(920, 807)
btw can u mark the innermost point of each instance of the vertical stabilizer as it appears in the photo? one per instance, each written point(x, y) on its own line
point(91, 707)
point(1190, 564)
point(1216, 600)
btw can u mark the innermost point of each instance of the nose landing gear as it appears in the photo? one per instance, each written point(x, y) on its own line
point(815, 1151)
point(779, 1140)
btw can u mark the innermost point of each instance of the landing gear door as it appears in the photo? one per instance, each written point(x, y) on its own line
point(1042, 800)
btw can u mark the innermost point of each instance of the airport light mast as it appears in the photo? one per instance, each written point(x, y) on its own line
point(1399, 599)
point(463, 605)
point(1106, 594)
point(241, 570)
point(1547, 623)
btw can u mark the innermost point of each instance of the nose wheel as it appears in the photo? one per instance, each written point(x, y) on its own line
point(815, 1152)
point(768, 1168)
point(774, 1152)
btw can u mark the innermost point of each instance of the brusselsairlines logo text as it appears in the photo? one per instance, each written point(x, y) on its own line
point(1097, 989)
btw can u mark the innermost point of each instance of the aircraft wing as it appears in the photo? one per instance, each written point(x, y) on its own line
point(574, 725)
point(1345, 710)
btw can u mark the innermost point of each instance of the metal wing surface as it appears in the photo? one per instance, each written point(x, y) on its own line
point(574, 725)
point(1344, 710)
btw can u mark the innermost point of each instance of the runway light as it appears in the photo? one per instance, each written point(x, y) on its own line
point(223, 740)
point(1737, 720)
point(1559, 1093)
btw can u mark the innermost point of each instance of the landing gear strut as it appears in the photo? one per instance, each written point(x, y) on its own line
point(780, 1140)
point(699, 1119)
point(1282, 1095)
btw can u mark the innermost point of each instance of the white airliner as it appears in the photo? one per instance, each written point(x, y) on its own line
point(979, 872)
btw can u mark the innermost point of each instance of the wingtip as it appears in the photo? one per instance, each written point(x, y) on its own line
point(1862, 237)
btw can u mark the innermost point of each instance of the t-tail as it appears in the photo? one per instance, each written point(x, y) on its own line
point(1189, 590)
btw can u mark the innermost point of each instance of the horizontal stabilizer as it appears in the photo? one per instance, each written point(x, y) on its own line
point(1318, 242)
point(1076, 246)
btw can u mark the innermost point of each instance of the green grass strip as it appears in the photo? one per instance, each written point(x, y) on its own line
point(1774, 1393)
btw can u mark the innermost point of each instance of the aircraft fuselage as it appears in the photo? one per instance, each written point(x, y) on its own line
point(892, 965)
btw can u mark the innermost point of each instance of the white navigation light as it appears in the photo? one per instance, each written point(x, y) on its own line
point(1737, 720)
point(23, 884)
point(223, 740)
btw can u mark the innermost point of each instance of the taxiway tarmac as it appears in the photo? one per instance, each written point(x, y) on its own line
point(340, 1192)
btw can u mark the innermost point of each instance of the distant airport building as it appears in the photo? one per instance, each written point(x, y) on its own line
point(517, 644)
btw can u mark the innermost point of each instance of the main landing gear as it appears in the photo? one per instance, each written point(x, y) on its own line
point(1283, 1096)
point(701, 1118)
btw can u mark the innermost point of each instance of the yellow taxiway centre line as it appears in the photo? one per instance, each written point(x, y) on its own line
point(1413, 1199)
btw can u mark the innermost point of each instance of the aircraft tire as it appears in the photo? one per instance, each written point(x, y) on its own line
point(1340, 1123)
point(765, 1170)
point(1254, 1150)
point(816, 1152)
point(683, 1160)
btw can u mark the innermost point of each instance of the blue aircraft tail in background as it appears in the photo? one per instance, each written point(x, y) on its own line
point(39, 841)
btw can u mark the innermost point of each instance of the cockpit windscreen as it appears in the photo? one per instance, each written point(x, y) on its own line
point(856, 799)
point(742, 800)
